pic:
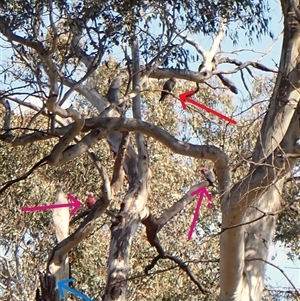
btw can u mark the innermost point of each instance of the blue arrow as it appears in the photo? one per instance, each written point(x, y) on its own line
point(63, 285)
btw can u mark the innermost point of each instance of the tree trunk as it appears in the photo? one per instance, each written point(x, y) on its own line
point(258, 196)
point(57, 271)
point(132, 208)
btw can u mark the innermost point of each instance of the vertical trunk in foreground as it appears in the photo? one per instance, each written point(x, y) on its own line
point(57, 272)
point(258, 195)
point(132, 209)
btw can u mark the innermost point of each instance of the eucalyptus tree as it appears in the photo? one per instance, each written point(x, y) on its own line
point(56, 49)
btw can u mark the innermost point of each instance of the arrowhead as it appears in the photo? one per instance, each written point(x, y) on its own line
point(63, 285)
point(75, 204)
point(184, 97)
point(202, 191)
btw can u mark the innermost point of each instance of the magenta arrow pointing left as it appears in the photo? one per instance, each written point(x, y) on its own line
point(75, 203)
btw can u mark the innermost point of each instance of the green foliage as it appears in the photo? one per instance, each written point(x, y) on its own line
point(103, 25)
point(171, 176)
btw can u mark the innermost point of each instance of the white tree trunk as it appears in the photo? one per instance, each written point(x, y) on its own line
point(57, 271)
point(244, 247)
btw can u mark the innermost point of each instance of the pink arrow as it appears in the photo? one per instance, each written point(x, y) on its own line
point(202, 191)
point(184, 97)
point(75, 203)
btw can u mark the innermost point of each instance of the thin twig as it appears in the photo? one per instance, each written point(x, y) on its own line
point(278, 268)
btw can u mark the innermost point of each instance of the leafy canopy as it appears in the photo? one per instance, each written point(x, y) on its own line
point(105, 24)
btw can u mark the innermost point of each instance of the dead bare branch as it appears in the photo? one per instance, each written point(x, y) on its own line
point(241, 66)
point(228, 83)
point(154, 241)
point(181, 264)
point(154, 225)
point(31, 106)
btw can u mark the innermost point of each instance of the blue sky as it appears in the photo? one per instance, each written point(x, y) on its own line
point(273, 277)
point(268, 52)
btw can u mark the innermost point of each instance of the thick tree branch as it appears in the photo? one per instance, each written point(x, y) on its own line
point(85, 228)
point(143, 164)
point(76, 128)
point(132, 208)
point(53, 27)
point(115, 86)
point(98, 101)
point(115, 138)
point(228, 83)
point(88, 60)
point(154, 225)
point(118, 173)
point(103, 126)
point(7, 116)
point(161, 73)
point(106, 187)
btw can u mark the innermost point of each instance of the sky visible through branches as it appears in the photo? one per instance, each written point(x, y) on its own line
point(268, 52)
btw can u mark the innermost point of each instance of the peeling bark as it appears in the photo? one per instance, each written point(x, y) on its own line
point(132, 208)
point(275, 154)
point(118, 174)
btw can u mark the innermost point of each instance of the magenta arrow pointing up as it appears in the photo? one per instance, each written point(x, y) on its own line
point(202, 191)
point(75, 203)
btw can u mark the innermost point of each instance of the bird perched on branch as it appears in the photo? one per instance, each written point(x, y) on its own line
point(168, 86)
point(90, 201)
point(208, 175)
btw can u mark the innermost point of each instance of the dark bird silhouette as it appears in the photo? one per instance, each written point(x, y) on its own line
point(168, 86)
point(208, 175)
point(90, 201)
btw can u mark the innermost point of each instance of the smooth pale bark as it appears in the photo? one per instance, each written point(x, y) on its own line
point(242, 279)
point(57, 271)
point(258, 239)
